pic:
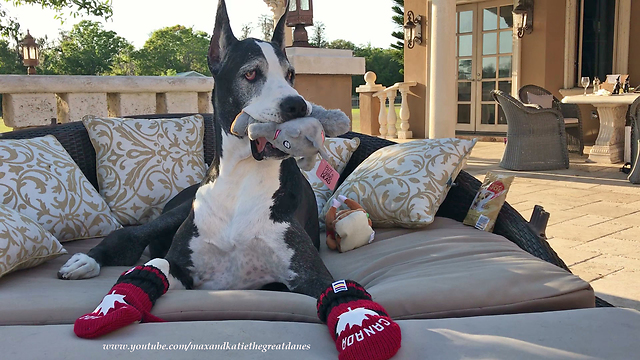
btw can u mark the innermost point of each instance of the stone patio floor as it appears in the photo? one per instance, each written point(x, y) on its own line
point(594, 220)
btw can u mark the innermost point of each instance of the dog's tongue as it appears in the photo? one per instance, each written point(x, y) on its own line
point(261, 143)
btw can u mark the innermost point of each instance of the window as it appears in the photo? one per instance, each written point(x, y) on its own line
point(596, 38)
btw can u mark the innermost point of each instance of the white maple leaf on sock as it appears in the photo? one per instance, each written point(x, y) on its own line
point(109, 302)
point(353, 317)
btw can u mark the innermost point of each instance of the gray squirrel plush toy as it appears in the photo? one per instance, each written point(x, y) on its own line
point(302, 137)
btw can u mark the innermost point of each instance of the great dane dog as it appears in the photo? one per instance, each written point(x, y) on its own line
point(251, 222)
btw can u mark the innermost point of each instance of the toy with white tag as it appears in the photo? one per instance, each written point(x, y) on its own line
point(489, 199)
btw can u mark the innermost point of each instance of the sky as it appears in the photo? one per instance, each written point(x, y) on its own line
point(359, 21)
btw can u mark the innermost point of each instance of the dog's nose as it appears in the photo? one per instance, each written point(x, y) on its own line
point(293, 107)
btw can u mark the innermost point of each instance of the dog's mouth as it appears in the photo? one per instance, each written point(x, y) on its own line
point(262, 149)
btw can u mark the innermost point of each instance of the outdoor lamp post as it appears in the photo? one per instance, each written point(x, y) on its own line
point(523, 17)
point(30, 53)
point(413, 30)
point(300, 15)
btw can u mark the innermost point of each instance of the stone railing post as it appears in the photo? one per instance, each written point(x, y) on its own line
point(392, 118)
point(382, 116)
point(369, 106)
point(405, 114)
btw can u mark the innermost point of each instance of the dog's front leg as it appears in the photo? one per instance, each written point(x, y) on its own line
point(129, 300)
point(125, 246)
point(360, 327)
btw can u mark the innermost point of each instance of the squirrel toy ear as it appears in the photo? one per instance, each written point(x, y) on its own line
point(293, 132)
point(350, 203)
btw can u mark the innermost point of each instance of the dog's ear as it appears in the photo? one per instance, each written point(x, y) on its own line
point(278, 32)
point(221, 40)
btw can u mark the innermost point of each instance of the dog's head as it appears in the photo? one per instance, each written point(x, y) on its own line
point(254, 76)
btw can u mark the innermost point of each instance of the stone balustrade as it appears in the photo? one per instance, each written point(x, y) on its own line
point(37, 99)
point(386, 120)
point(323, 76)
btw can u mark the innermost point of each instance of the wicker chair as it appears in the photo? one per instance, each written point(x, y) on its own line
point(634, 113)
point(536, 137)
point(570, 112)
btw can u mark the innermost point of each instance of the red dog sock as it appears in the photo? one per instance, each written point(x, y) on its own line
point(360, 327)
point(128, 301)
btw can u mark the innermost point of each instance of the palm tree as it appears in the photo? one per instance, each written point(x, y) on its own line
point(398, 18)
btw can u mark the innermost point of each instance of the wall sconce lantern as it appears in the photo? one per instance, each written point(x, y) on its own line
point(30, 53)
point(300, 15)
point(523, 17)
point(413, 30)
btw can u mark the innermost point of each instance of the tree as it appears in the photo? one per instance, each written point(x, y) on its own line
point(100, 8)
point(176, 48)
point(384, 62)
point(10, 61)
point(265, 23)
point(398, 19)
point(246, 31)
point(319, 37)
point(341, 44)
point(88, 49)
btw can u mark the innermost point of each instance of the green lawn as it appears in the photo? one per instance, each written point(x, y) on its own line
point(355, 116)
point(3, 127)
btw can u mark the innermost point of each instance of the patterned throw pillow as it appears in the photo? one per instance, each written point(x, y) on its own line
point(24, 243)
point(143, 163)
point(39, 179)
point(404, 184)
point(340, 151)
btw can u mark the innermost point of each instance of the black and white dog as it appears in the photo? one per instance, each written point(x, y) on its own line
point(252, 222)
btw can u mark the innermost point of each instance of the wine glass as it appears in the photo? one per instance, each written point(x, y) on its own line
point(584, 81)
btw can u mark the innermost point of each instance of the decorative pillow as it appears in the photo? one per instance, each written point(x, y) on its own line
point(545, 100)
point(404, 184)
point(143, 163)
point(39, 179)
point(340, 151)
point(24, 243)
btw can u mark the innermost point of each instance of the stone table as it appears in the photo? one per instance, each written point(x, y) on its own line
point(609, 146)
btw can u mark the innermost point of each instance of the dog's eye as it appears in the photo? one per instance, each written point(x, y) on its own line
point(250, 75)
point(290, 76)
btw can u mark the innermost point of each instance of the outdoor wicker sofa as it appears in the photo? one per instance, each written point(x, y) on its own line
point(435, 281)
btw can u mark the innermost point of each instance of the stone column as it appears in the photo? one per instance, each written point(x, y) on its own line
point(416, 68)
point(442, 84)
point(26, 110)
point(369, 105)
point(73, 107)
point(278, 7)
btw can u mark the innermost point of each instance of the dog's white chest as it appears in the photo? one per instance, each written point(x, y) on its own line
point(238, 246)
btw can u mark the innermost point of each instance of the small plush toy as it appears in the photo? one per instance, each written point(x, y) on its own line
point(334, 121)
point(348, 229)
point(303, 137)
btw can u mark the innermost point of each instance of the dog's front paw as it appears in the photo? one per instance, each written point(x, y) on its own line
point(79, 266)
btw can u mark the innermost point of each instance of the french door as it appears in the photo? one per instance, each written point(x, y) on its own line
point(484, 55)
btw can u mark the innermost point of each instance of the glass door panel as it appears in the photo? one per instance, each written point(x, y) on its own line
point(495, 52)
point(466, 49)
point(484, 52)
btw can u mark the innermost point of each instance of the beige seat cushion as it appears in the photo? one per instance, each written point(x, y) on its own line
point(447, 269)
point(609, 334)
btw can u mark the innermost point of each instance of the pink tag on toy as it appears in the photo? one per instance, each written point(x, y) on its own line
point(328, 174)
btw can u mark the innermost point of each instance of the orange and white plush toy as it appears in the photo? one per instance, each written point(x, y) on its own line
point(348, 229)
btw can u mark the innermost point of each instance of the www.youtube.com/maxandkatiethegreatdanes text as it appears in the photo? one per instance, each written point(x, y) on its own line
point(225, 346)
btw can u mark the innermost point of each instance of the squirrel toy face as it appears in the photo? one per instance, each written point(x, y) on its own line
point(348, 229)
